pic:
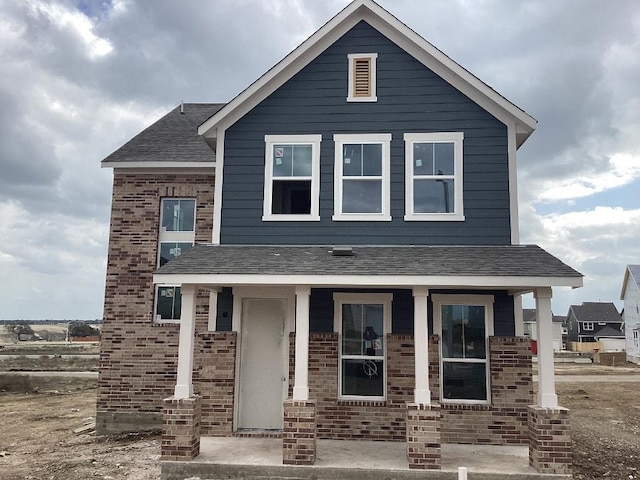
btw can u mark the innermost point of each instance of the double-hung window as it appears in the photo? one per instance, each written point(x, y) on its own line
point(292, 177)
point(433, 176)
point(362, 320)
point(464, 323)
point(177, 235)
point(587, 326)
point(362, 177)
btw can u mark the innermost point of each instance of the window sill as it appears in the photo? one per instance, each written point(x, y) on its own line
point(362, 402)
point(291, 218)
point(362, 99)
point(166, 322)
point(361, 217)
point(434, 217)
point(465, 405)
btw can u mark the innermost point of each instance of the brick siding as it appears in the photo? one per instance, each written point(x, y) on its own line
point(299, 433)
point(181, 432)
point(139, 356)
point(550, 446)
point(423, 436)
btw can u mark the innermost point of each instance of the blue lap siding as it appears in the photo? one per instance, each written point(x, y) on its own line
point(411, 98)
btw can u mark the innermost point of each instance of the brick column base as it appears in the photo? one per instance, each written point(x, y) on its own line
point(299, 434)
point(181, 429)
point(549, 440)
point(423, 436)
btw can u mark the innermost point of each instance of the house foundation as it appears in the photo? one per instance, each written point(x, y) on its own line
point(550, 440)
point(299, 433)
point(181, 432)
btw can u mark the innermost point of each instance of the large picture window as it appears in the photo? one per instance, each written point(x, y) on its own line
point(362, 171)
point(464, 323)
point(177, 235)
point(362, 320)
point(292, 171)
point(433, 171)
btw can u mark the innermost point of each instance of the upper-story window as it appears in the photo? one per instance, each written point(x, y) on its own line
point(292, 177)
point(433, 171)
point(362, 77)
point(362, 177)
point(587, 326)
point(177, 235)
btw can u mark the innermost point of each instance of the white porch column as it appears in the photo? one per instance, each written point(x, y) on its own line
point(184, 381)
point(546, 386)
point(421, 394)
point(301, 386)
point(213, 309)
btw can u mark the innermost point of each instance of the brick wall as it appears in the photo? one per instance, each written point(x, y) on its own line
point(138, 356)
point(550, 447)
point(505, 420)
point(502, 422)
point(181, 432)
point(214, 381)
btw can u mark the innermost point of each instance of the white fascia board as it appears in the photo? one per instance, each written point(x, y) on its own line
point(368, 281)
point(283, 70)
point(452, 72)
point(158, 165)
point(625, 280)
point(397, 32)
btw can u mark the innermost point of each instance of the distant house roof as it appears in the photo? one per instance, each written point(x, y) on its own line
point(608, 332)
point(596, 312)
point(490, 266)
point(529, 316)
point(171, 141)
point(631, 272)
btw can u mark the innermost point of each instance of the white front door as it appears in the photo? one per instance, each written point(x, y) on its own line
point(263, 355)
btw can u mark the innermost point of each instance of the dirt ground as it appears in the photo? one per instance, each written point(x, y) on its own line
point(38, 442)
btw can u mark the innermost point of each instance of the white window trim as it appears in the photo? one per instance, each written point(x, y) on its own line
point(171, 237)
point(341, 298)
point(439, 137)
point(383, 139)
point(314, 141)
point(351, 94)
point(485, 301)
point(587, 326)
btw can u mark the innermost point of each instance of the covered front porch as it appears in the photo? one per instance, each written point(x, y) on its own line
point(418, 423)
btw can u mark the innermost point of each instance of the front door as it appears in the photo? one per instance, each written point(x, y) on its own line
point(262, 386)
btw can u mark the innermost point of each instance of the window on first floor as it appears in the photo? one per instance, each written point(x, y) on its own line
point(362, 321)
point(464, 323)
point(168, 303)
point(362, 177)
point(292, 176)
point(433, 176)
point(636, 338)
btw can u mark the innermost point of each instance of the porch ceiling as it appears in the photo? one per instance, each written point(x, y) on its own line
point(516, 267)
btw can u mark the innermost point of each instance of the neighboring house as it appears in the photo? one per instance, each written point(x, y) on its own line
point(630, 294)
point(586, 321)
point(332, 254)
point(611, 339)
point(558, 328)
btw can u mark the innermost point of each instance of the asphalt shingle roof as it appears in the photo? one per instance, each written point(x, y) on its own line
point(608, 332)
point(596, 312)
point(635, 273)
point(508, 260)
point(173, 138)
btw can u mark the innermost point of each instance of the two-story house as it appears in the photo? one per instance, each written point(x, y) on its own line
point(333, 254)
point(558, 328)
point(630, 294)
point(591, 320)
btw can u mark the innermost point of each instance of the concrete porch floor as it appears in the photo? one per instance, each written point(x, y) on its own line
point(261, 458)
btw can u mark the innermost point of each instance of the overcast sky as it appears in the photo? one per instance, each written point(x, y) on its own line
point(78, 78)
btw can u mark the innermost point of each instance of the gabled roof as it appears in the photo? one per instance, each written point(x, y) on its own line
point(518, 266)
point(608, 332)
point(397, 32)
point(171, 141)
point(631, 272)
point(596, 312)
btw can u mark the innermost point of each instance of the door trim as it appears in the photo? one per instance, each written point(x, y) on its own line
point(286, 293)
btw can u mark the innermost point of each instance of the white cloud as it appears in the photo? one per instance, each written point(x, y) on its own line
point(624, 168)
point(75, 22)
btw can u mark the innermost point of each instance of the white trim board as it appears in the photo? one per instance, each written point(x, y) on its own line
point(485, 282)
point(158, 165)
point(396, 31)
